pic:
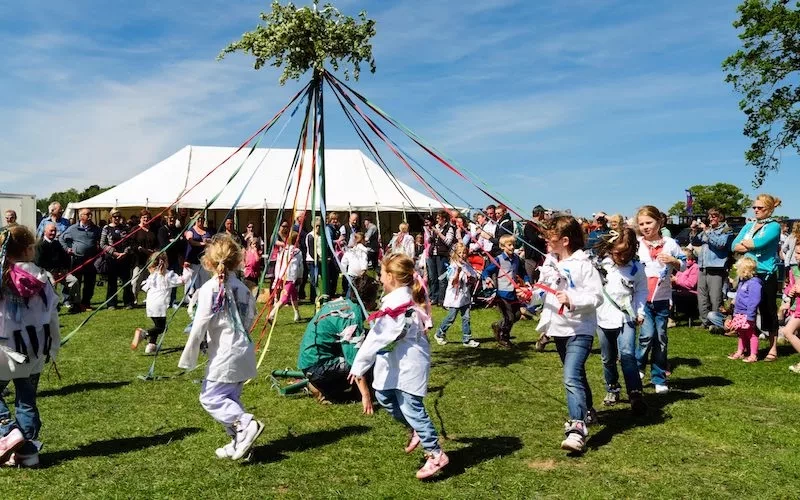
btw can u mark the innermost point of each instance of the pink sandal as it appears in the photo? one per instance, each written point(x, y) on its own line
point(751, 359)
point(413, 442)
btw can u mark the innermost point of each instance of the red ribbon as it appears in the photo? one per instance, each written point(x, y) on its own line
point(392, 312)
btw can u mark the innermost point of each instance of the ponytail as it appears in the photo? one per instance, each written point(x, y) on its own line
point(418, 293)
point(401, 267)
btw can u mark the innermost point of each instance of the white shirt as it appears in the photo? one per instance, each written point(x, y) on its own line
point(655, 269)
point(404, 366)
point(580, 280)
point(460, 293)
point(289, 264)
point(32, 329)
point(405, 244)
point(355, 261)
point(627, 287)
point(159, 288)
point(231, 354)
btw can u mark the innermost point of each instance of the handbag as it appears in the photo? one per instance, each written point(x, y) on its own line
point(101, 263)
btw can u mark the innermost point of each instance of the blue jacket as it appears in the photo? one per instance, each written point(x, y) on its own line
point(766, 241)
point(715, 246)
point(748, 296)
point(506, 275)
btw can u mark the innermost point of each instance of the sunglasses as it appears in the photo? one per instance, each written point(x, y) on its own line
point(758, 208)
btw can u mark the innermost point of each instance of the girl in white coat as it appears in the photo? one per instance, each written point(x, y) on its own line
point(624, 294)
point(569, 317)
point(159, 284)
point(398, 347)
point(458, 297)
point(288, 271)
point(29, 337)
point(660, 255)
point(223, 317)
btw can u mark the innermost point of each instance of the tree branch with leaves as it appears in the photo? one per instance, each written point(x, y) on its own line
point(306, 38)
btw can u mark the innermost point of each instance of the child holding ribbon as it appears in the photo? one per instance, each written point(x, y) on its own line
point(398, 347)
point(624, 294)
point(458, 297)
point(569, 317)
point(224, 314)
point(29, 338)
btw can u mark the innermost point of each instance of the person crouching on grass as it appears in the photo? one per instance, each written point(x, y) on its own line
point(158, 285)
point(398, 347)
point(29, 338)
point(224, 315)
point(506, 266)
point(569, 317)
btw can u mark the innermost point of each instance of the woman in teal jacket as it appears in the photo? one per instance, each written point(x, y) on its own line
point(760, 240)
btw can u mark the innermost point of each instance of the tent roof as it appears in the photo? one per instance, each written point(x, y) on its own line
point(352, 180)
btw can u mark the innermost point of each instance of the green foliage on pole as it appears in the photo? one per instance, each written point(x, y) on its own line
point(765, 72)
point(305, 38)
point(726, 197)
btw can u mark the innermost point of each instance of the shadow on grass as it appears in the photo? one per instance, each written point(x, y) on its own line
point(690, 362)
point(620, 420)
point(275, 451)
point(82, 387)
point(489, 354)
point(109, 447)
point(478, 450)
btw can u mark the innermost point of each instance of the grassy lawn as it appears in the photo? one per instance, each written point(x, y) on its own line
point(724, 430)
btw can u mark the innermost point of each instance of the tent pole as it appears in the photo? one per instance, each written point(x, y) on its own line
point(405, 217)
point(264, 219)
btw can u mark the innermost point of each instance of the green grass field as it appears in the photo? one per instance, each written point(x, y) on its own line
point(726, 430)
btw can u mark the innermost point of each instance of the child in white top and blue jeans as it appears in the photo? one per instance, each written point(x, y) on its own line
point(458, 297)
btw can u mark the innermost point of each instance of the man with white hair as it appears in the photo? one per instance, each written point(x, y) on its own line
point(11, 218)
point(54, 210)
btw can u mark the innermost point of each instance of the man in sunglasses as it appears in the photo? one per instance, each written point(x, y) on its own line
point(713, 244)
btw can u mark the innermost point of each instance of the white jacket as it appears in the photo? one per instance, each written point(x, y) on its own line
point(355, 260)
point(398, 347)
point(159, 288)
point(403, 245)
point(627, 287)
point(460, 293)
point(580, 280)
point(289, 264)
point(655, 269)
point(30, 328)
point(231, 354)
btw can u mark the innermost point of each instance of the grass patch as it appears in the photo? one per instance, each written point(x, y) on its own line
point(723, 431)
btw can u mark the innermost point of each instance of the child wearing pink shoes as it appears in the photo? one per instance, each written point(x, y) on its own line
point(398, 347)
point(29, 338)
point(748, 295)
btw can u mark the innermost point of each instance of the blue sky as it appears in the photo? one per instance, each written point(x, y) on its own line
point(586, 104)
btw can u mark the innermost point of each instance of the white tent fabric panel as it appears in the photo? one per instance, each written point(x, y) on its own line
point(350, 177)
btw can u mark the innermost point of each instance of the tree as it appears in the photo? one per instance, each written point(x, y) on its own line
point(69, 196)
point(305, 38)
point(726, 197)
point(764, 71)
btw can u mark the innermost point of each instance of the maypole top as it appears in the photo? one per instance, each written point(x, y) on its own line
point(302, 39)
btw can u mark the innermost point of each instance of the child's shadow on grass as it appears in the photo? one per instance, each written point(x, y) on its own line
point(275, 451)
point(620, 420)
point(116, 446)
point(81, 387)
point(478, 450)
point(488, 354)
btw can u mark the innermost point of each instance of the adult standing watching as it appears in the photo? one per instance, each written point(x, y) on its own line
point(713, 241)
point(169, 237)
point(11, 218)
point(504, 223)
point(55, 211)
point(441, 241)
point(82, 242)
point(601, 219)
point(372, 241)
point(535, 243)
point(51, 256)
point(760, 239)
point(145, 244)
point(119, 255)
point(230, 230)
point(196, 238)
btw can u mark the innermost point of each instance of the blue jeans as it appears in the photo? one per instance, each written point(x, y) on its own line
point(620, 343)
point(409, 411)
point(26, 413)
point(437, 265)
point(653, 341)
point(466, 330)
point(574, 351)
point(313, 279)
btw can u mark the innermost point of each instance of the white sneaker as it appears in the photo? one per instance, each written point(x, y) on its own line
point(575, 436)
point(661, 389)
point(641, 375)
point(151, 348)
point(471, 343)
point(226, 451)
point(440, 340)
point(245, 438)
point(296, 317)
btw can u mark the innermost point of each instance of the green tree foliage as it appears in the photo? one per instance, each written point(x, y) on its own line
point(726, 197)
point(305, 38)
point(764, 71)
point(70, 196)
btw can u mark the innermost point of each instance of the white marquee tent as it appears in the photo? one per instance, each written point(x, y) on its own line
point(353, 182)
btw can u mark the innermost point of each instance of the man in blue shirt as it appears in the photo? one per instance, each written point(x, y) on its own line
point(54, 211)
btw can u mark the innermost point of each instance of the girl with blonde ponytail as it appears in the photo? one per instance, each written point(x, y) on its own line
point(398, 347)
point(224, 315)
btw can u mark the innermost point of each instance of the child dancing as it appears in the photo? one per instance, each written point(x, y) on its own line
point(745, 305)
point(288, 271)
point(223, 316)
point(569, 317)
point(624, 296)
point(159, 285)
point(398, 347)
point(458, 297)
point(29, 337)
point(507, 268)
